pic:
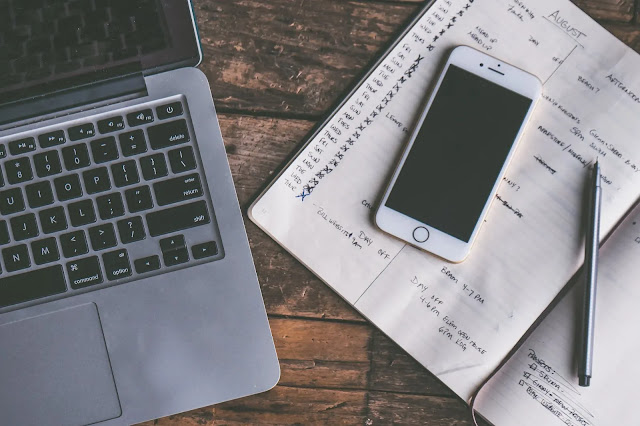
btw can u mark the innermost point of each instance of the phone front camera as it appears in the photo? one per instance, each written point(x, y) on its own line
point(482, 65)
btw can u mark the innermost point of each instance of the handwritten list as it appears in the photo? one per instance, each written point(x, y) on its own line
point(541, 378)
point(460, 320)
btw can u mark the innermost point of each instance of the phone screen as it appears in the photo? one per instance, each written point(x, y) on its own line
point(458, 153)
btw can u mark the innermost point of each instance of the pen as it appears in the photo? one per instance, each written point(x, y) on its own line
point(591, 265)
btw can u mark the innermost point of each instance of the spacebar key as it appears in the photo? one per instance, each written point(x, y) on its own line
point(177, 218)
point(31, 285)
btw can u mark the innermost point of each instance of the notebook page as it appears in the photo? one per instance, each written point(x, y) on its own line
point(460, 320)
point(539, 385)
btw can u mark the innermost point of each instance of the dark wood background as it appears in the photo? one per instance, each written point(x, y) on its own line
point(276, 67)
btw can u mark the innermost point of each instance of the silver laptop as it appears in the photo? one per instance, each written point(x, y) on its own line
point(127, 288)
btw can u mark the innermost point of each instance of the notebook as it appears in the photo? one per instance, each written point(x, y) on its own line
point(127, 287)
point(461, 320)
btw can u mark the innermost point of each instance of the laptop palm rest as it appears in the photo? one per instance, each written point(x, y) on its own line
point(54, 369)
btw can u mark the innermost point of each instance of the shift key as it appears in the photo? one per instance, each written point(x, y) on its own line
point(177, 218)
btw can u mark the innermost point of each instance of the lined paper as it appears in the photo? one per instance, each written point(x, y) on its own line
point(460, 320)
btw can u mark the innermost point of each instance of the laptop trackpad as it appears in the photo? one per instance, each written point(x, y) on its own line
point(54, 369)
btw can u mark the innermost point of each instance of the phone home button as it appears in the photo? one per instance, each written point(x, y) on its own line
point(421, 234)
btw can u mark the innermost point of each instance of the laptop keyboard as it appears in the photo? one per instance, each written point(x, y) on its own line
point(103, 201)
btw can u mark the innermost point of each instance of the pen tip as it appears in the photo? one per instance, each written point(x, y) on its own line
point(596, 173)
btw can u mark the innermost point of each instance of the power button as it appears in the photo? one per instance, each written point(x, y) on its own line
point(421, 234)
point(169, 110)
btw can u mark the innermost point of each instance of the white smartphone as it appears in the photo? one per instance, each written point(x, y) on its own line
point(457, 154)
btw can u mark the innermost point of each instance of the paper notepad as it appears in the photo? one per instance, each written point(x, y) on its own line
point(461, 320)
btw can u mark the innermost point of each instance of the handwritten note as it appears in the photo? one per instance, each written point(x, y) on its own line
point(541, 379)
point(460, 320)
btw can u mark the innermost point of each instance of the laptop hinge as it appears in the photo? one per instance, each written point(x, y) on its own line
point(113, 88)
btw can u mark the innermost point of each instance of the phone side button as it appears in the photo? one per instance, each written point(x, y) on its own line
point(421, 234)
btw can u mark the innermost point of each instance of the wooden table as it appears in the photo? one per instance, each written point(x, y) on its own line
point(275, 68)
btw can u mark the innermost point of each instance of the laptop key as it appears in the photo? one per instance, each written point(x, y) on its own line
point(82, 131)
point(104, 149)
point(133, 143)
point(96, 180)
point(84, 272)
point(4, 232)
point(45, 251)
point(47, 163)
point(112, 124)
point(110, 206)
point(147, 264)
point(74, 243)
point(125, 173)
point(131, 229)
point(177, 189)
point(102, 236)
point(68, 187)
point(16, 257)
point(203, 250)
point(11, 201)
point(177, 218)
point(173, 109)
point(182, 159)
point(140, 117)
point(24, 227)
point(175, 242)
point(175, 257)
point(76, 156)
point(39, 194)
point(22, 146)
point(138, 199)
point(81, 213)
point(53, 220)
point(153, 166)
point(18, 170)
point(168, 134)
point(50, 139)
point(116, 264)
point(31, 285)
point(3, 151)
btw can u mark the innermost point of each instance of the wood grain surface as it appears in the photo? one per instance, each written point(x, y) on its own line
point(275, 68)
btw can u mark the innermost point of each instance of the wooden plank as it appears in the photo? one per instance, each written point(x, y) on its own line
point(291, 57)
point(285, 405)
point(257, 147)
point(393, 408)
point(320, 340)
point(280, 406)
point(393, 370)
point(347, 356)
point(322, 353)
point(610, 10)
point(629, 34)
